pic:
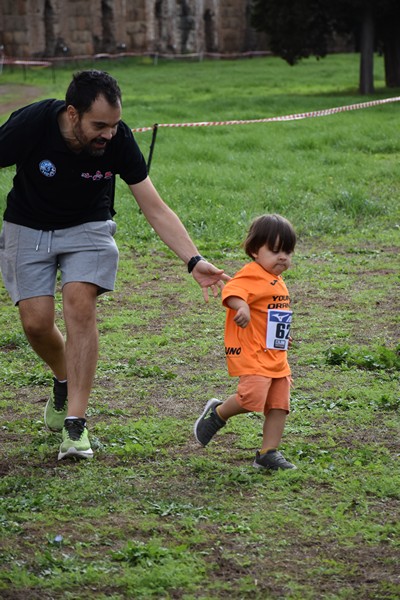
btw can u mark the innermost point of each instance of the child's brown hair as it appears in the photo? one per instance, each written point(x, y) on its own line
point(273, 231)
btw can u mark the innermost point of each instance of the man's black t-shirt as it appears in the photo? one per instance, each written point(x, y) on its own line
point(55, 188)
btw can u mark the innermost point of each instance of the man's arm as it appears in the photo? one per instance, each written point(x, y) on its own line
point(171, 231)
point(19, 134)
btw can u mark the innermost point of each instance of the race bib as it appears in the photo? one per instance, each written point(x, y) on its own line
point(278, 329)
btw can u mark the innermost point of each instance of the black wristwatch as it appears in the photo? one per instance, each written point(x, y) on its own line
point(193, 262)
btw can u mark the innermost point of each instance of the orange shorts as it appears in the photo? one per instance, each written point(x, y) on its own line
point(256, 393)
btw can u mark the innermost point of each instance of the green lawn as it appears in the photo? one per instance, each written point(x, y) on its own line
point(154, 515)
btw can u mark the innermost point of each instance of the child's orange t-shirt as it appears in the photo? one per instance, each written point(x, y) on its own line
point(246, 348)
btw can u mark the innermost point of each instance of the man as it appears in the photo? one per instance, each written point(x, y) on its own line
point(59, 217)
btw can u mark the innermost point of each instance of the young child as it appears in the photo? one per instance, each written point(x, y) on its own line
point(257, 335)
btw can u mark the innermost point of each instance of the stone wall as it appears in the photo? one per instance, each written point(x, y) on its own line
point(48, 28)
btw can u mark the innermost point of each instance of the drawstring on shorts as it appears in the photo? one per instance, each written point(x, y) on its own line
point(49, 240)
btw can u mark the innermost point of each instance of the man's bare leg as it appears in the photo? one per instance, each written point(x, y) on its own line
point(79, 305)
point(75, 359)
point(38, 321)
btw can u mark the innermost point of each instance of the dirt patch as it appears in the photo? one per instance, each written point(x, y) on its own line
point(22, 95)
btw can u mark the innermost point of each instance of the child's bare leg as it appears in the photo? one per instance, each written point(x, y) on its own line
point(269, 457)
point(274, 425)
point(214, 417)
point(230, 408)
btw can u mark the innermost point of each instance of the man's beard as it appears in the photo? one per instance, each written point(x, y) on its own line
point(89, 149)
point(88, 146)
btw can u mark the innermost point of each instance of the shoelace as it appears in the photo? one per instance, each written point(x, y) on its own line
point(213, 423)
point(75, 428)
point(277, 461)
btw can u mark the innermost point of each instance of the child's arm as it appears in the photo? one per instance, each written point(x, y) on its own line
point(242, 317)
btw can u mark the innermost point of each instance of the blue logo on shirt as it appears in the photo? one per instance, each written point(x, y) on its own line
point(47, 168)
point(280, 316)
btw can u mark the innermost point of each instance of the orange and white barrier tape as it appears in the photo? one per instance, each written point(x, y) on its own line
point(294, 117)
point(25, 63)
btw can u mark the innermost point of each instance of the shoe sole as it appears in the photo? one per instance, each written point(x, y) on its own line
point(74, 453)
point(262, 468)
point(45, 421)
point(256, 465)
point(208, 406)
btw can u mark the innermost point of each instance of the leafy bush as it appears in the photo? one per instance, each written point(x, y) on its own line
point(375, 359)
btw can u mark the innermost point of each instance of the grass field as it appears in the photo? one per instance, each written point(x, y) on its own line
point(154, 515)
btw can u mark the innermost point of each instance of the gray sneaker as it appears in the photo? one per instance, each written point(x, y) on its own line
point(272, 460)
point(56, 408)
point(208, 423)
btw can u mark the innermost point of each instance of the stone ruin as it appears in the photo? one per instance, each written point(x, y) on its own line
point(55, 28)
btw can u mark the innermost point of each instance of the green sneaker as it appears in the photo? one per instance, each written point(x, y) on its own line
point(75, 442)
point(56, 408)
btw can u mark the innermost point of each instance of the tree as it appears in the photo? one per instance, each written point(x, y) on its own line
point(387, 26)
point(367, 50)
point(296, 29)
point(300, 28)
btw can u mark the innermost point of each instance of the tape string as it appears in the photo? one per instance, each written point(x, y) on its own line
point(294, 117)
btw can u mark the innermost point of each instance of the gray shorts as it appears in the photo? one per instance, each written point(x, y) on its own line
point(30, 259)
